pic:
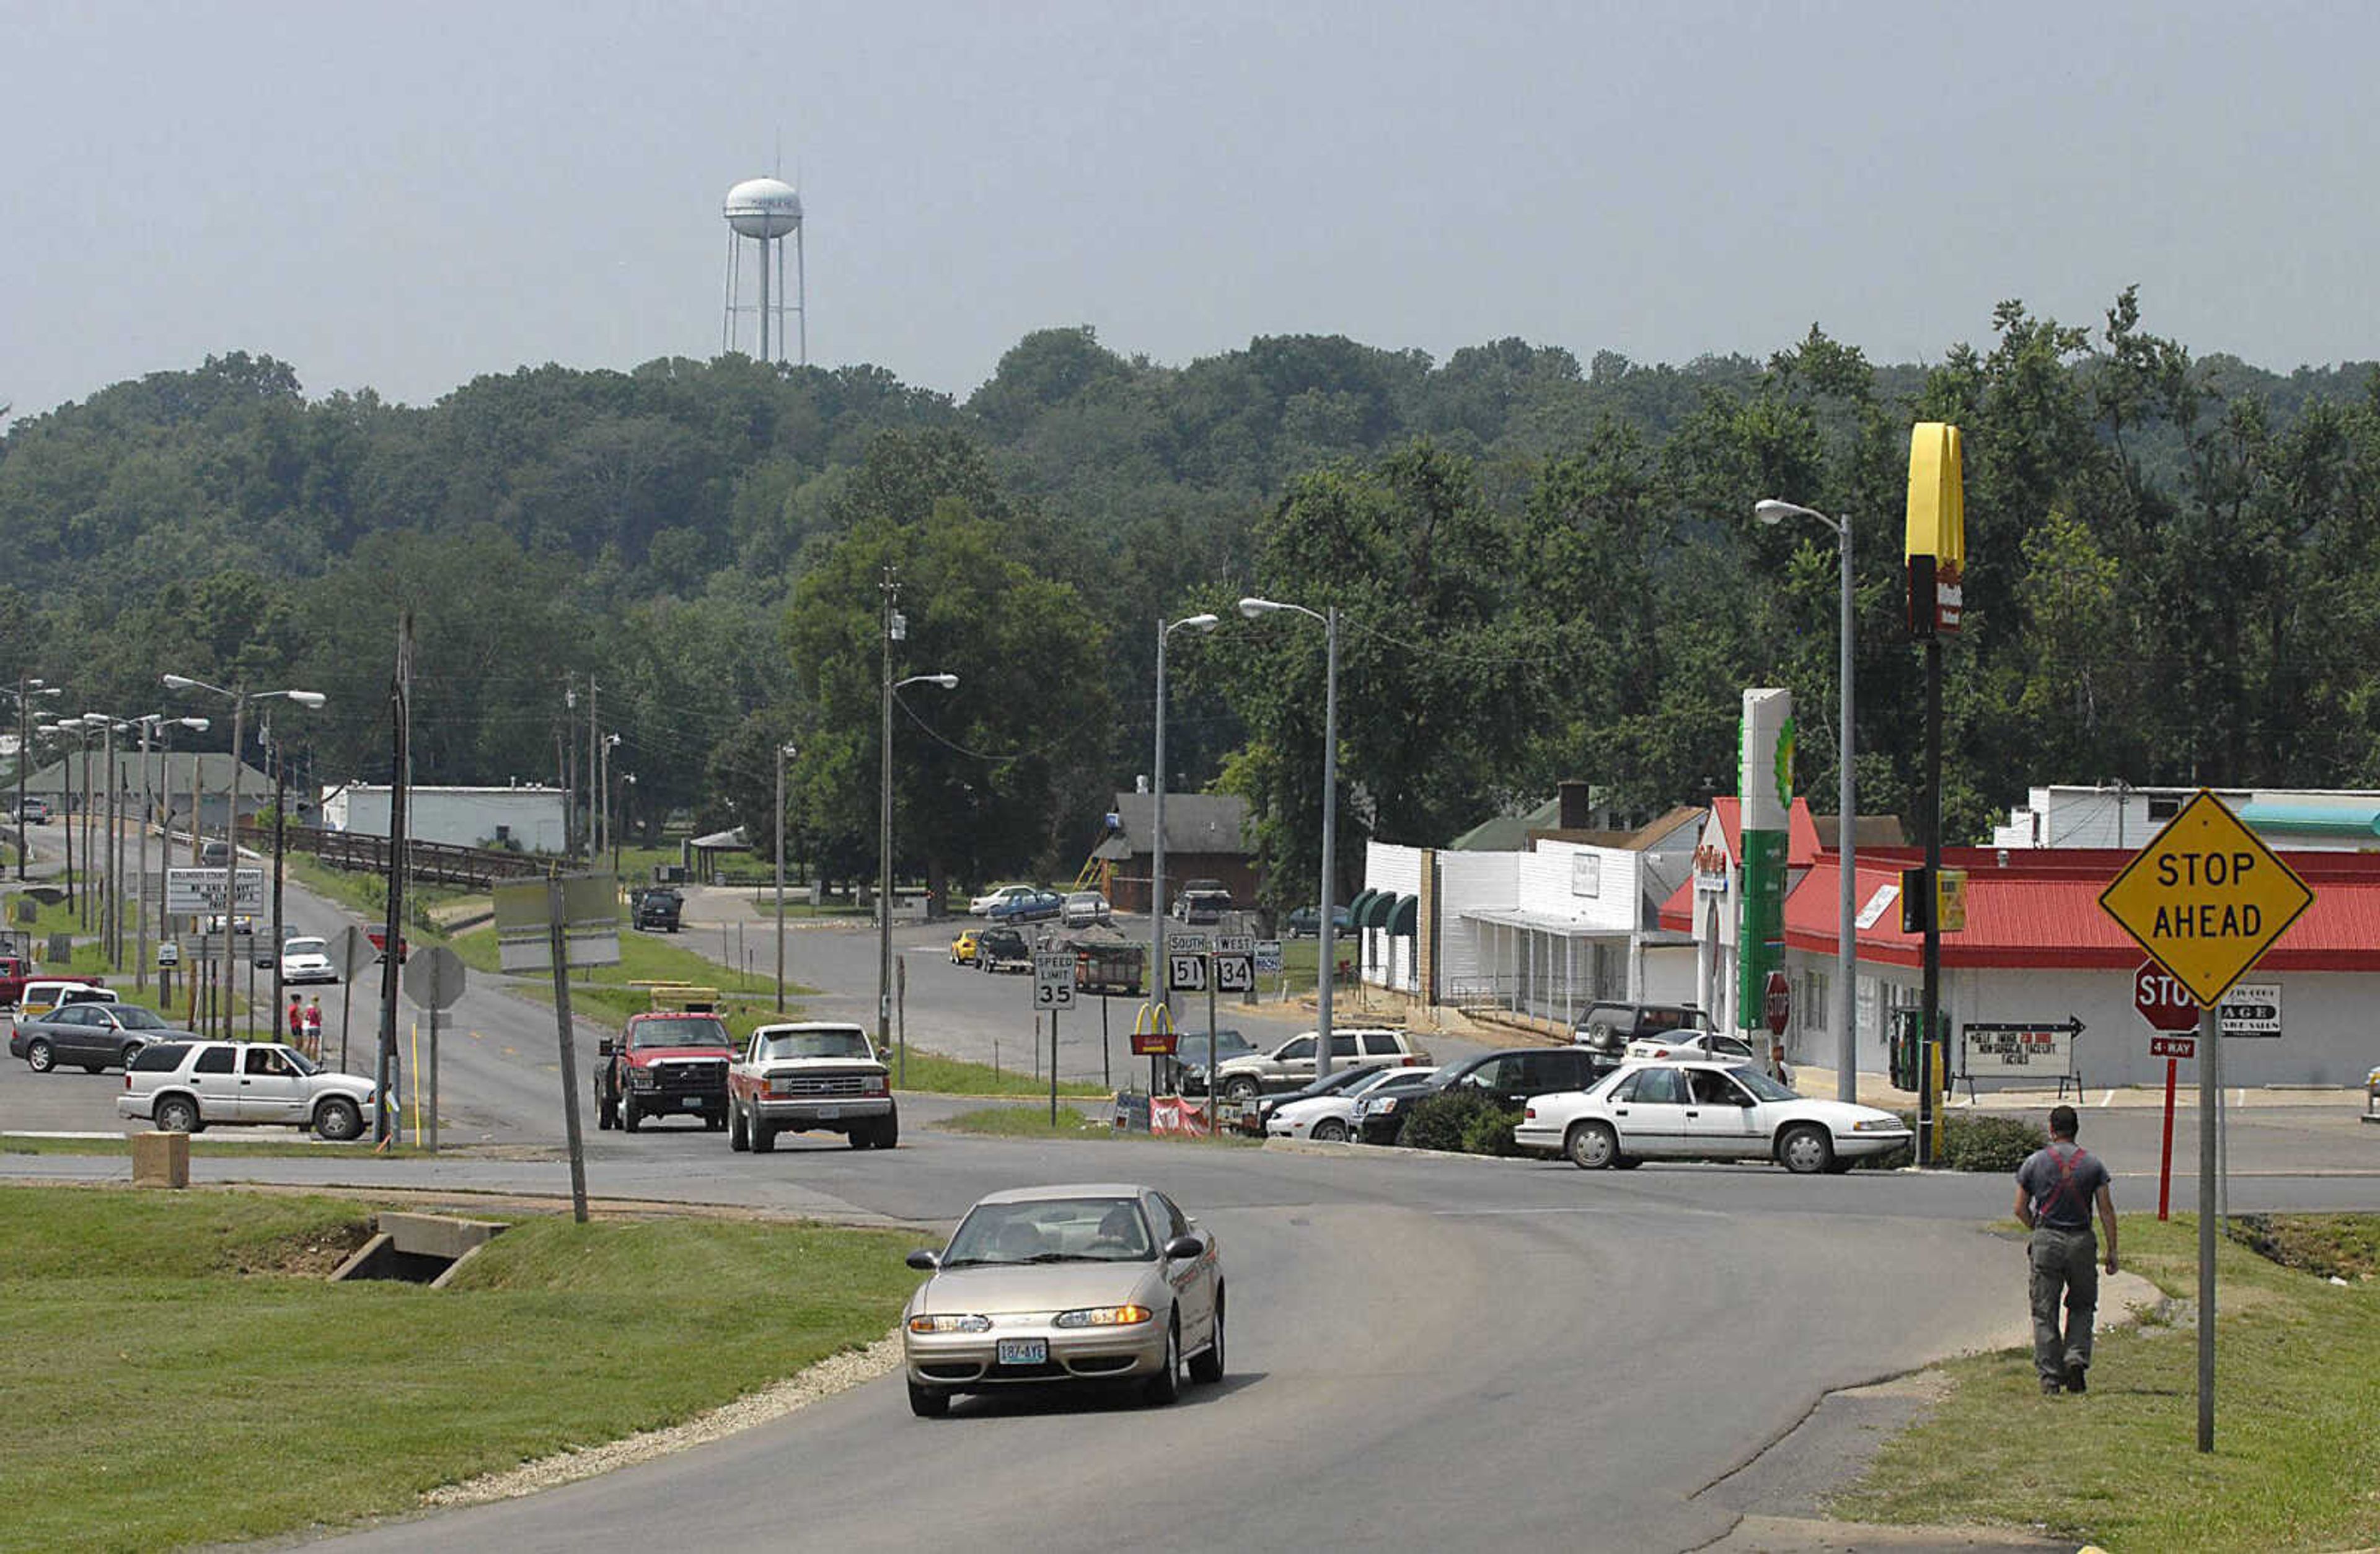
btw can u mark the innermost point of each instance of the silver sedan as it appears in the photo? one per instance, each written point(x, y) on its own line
point(1102, 1282)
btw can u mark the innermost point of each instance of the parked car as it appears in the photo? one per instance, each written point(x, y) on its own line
point(996, 948)
point(1611, 1027)
point(1290, 1063)
point(1202, 901)
point(1042, 1285)
point(92, 1036)
point(36, 811)
point(1030, 907)
point(1306, 922)
point(1510, 1077)
point(187, 1087)
point(1717, 1045)
point(980, 906)
point(963, 946)
point(1083, 909)
point(1326, 1114)
point(307, 960)
point(1195, 1052)
point(1703, 1110)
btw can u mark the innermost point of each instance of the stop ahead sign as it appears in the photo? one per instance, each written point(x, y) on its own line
point(2162, 1001)
point(1777, 1003)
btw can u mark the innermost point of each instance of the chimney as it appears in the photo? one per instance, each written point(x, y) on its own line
point(1577, 810)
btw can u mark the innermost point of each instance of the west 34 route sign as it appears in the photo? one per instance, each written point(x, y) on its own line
point(2205, 897)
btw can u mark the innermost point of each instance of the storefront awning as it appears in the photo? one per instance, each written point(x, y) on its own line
point(1541, 922)
point(1403, 916)
point(1355, 907)
point(1376, 911)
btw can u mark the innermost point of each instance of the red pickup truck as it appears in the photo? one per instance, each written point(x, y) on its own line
point(16, 971)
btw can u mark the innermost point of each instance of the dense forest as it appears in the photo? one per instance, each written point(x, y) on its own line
point(1544, 571)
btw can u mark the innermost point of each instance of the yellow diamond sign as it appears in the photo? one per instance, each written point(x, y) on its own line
point(2205, 898)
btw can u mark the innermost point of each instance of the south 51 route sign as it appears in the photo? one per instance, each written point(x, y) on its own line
point(2205, 898)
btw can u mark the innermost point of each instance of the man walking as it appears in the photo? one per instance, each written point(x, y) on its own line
point(2055, 1190)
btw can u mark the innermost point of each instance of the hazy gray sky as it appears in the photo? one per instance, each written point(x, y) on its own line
point(406, 195)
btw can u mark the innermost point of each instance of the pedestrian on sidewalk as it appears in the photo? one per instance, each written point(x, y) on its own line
point(296, 1023)
point(2055, 1190)
point(313, 1047)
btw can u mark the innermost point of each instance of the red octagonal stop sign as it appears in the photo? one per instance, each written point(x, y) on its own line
point(1777, 1002)
point(2162, 1001)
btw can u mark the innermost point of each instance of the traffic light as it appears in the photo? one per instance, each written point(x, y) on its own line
point(1912, 902)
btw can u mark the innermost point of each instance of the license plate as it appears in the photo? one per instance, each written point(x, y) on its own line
point(1023, 1351)
point(692, 1103)
point(829, 1110)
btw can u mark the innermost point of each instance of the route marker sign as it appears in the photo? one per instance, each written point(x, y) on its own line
point(1235, 974)
point(2205, 897)
point(1185, 974)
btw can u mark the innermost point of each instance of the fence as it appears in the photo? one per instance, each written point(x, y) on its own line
point(434, 862)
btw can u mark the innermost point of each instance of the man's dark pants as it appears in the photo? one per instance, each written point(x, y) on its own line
point(2064, 1262)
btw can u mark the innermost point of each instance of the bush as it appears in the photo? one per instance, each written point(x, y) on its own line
point(1445, 1121)
point(1490, 1132)
point(1974, 1142)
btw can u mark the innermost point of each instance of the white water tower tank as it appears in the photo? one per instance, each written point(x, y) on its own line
point(766, 212)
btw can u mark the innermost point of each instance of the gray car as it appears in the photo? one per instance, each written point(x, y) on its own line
point(92, 1037)
point(1095, 1282)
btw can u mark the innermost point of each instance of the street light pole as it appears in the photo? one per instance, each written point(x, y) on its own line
point(782, 751)
point(239, 701)
point(884, 855)
point(1159, 993)
point(1846, 845)
point(26, 688)
point(1326, 965)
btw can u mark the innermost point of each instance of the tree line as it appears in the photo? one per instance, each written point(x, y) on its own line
point(1545, 571)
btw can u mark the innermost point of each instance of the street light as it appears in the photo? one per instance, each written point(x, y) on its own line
point(25, 690)
point(159, 724)
point(239, 701)
point(1158, 992)
point(1325, 964)
point(784, 753)
point(884, 861)
point(1773, 512)
point(111, 920)
point(81, 733)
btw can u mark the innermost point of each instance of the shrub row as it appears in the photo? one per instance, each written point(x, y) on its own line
point(1467, 1123)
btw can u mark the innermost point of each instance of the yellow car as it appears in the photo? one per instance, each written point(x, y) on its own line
point(963, 948)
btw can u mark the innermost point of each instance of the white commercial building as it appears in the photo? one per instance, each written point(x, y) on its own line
point(526, 819)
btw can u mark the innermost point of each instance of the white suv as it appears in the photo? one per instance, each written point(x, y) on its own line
point(1291, 1064)
point(187, 1087)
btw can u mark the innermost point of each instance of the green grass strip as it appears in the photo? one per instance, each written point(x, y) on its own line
point(2297, 1405)
point(168, 1385)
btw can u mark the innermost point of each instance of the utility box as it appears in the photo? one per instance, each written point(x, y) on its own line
point(161, 1160)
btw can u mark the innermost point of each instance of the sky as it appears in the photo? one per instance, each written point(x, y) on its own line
point(405, 197)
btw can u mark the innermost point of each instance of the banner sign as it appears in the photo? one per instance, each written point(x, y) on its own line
point(196, 891)
point(2018, 1051)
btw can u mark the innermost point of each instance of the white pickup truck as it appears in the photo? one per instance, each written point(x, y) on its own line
point(805, 1075)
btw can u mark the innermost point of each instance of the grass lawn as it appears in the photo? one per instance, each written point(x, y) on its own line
point(181, 1374)
point(1026, 1122)
point(933, 1072)
point(2297, 1415)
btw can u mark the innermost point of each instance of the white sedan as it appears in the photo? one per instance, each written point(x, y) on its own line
point(980, 906)
point(307, 960)
point(1693, 1044)
point(1703, 1110)
point(1330, 1119)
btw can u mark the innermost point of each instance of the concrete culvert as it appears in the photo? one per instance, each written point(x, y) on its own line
point(417, 1248)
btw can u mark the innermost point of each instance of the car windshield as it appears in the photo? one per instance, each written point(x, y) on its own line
point(131, 1016)
point(303, 947)
point(1090, 1229)
point(1761, 1084)
point(296, 1060)
point(1341, 1081)
point(704, 1030)
point(1192, 1049)
point(817, 1044)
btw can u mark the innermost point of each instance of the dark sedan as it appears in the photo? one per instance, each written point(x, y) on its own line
point(1509, 1077)
point(91, 1035)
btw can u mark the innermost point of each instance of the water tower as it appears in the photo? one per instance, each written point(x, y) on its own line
point(767, 211)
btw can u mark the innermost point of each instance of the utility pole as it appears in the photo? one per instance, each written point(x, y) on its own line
point(782, 751)
point(594, 836)
point(280, 841)
point(400, 702)
point(890, 591)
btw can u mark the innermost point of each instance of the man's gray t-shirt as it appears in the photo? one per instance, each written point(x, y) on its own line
point(2061, 1183)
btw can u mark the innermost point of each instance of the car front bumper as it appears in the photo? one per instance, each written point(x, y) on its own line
point(970, 1361)
point(818, 1112)
point(1862, 1146)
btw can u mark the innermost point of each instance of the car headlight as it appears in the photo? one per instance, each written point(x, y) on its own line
point(950, 1324)
point(1878, 1124)
point(641, 1079)
point(1103, 1316)
point(1386, 1103)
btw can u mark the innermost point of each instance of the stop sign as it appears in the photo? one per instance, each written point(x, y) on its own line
point(1777, 1003)
point(2162, 1001)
